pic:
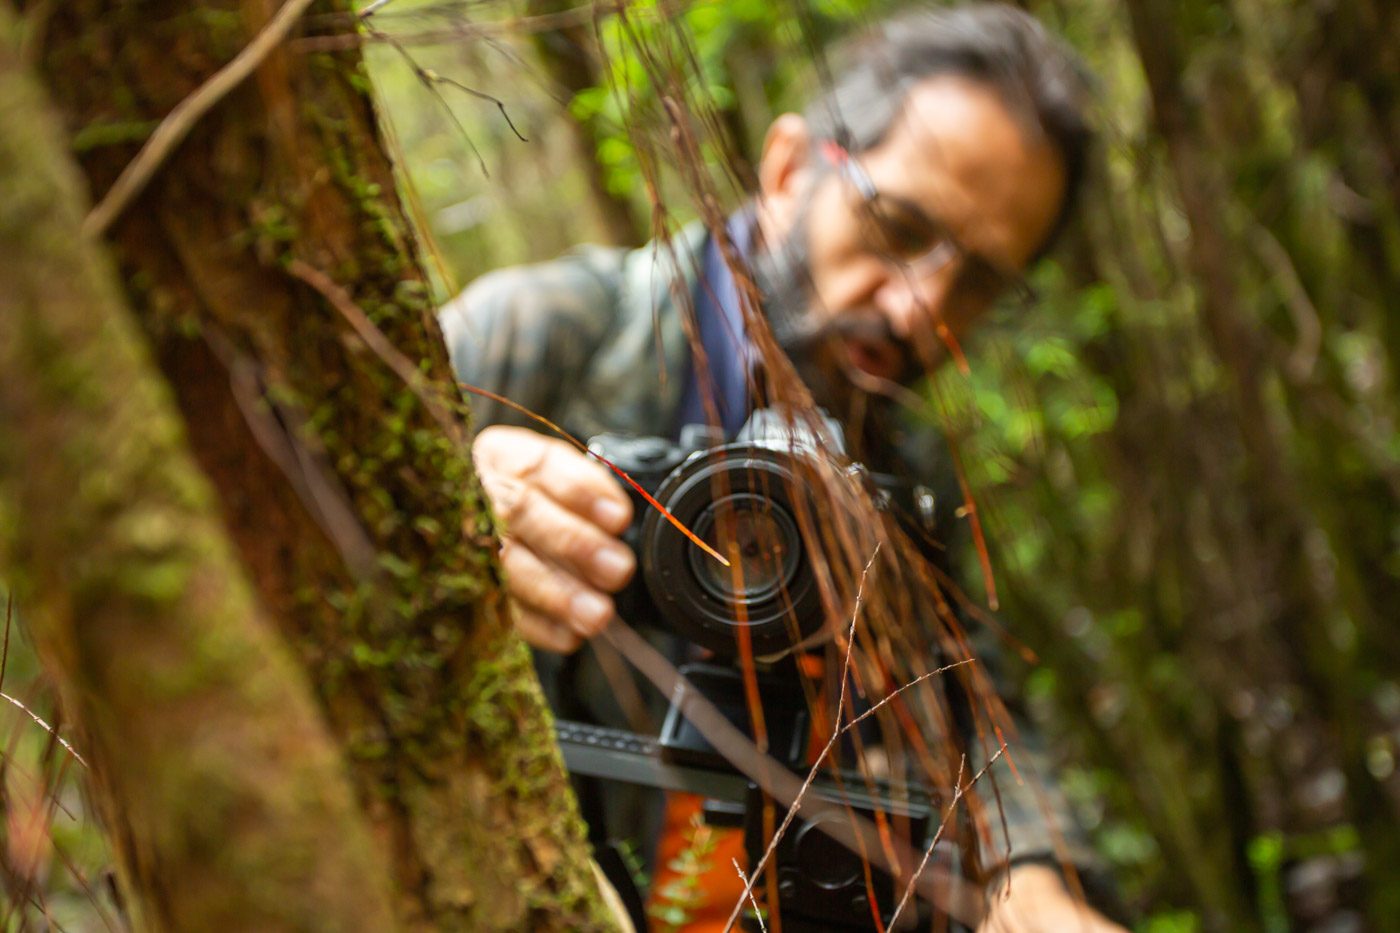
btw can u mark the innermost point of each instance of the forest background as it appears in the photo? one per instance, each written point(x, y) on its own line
point(1186, 454)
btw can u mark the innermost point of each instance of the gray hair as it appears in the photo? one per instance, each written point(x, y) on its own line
point(1040, 80)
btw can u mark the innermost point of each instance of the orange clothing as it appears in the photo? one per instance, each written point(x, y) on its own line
point(718, 887)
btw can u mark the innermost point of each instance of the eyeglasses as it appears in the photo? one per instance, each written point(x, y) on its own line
point(918, 245)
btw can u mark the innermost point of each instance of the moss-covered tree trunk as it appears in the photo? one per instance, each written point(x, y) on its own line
point(221, 787)
point(272, 268)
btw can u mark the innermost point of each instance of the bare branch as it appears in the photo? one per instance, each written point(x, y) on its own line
point(177, 125)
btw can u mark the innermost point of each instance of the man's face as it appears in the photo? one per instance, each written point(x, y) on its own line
point(955, 164)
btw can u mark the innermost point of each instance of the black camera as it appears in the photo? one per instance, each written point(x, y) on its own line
point(747, 499)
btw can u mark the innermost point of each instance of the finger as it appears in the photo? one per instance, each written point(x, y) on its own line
point(552, 593)
point(573, 479)
point(545, 633)
point(584, 486)
point(562, 537)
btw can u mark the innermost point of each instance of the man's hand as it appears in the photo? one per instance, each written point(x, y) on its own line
point(1036, 901)
point(562, 514)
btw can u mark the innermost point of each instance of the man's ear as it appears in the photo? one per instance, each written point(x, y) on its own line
point(784, 172)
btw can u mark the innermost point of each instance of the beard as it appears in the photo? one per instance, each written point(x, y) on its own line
point(817, 345)
point(824, 346)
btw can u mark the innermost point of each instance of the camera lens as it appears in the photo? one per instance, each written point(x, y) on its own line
point(742, 500)
point(760, 540)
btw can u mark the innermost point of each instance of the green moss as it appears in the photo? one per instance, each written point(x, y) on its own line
point(156, 582)
point(224, 31)
point(112, 133)
point(127, 104)
point(397, 566)
point(272, 224)
point(357, 79)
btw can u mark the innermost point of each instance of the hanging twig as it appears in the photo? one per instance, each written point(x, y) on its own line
point(9, 623)
point(432, 75)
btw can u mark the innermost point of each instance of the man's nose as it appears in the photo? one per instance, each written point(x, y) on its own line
point(911, 302)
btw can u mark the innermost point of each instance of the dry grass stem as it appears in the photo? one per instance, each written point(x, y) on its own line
point(943, 824)
point(748, 887)
point(45, 726)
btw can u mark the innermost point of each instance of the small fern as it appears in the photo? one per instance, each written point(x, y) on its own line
point(676, 901)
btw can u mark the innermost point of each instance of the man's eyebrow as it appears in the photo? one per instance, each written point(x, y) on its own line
point(919, 213)
point(937, 223)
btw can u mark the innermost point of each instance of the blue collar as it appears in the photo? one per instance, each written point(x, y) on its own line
point(719, 316)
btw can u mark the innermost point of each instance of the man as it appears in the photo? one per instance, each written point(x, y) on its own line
point(889, 219)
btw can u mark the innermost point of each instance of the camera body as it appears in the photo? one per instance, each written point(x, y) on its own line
point(748, 499)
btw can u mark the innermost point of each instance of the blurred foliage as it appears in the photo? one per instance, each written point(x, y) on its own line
point(1187, 453)
point(1189, 463)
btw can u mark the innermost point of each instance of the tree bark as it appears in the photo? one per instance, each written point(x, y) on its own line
point(272, 267)
point(220, 785)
